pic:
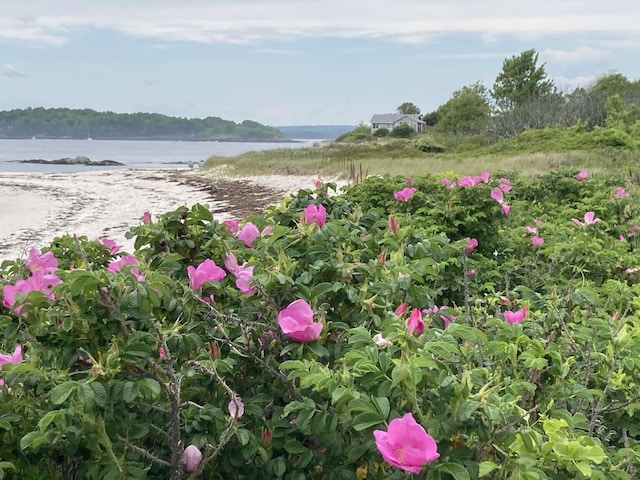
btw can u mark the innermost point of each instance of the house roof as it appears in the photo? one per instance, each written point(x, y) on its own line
point(394, 117)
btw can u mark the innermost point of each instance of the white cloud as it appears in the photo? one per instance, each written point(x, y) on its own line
point(248, 21)
point(9, 70)
point(583, 54)
point(568, 84)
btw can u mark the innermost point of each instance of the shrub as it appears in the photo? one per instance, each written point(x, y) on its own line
point(518, 359)
point(403, 131)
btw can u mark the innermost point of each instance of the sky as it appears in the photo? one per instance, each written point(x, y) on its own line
point(296, 62)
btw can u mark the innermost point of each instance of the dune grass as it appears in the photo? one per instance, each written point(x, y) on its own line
point(355, 161)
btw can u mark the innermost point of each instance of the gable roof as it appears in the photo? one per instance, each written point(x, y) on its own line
point(395, 117)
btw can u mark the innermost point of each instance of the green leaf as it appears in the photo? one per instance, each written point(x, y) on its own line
point(457, 471)
point(60, 394)
point(100, 393)
point(130, 391)
point(367, 419)
point(485, 468)
point(466, 409)
point(243, 436)
point(294, 446)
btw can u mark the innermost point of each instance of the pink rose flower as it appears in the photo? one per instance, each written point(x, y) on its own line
point(207, 271)
point(405, 194)
point(315, 214)
point(415, 323)
point(296, 321)
point(515, 317)
point(406, 445)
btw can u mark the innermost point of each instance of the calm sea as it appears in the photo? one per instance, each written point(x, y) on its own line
point(133, 154)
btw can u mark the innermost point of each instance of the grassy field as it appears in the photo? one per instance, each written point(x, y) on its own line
point(401, 157)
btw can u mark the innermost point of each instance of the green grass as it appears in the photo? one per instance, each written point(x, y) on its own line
point(530, 153)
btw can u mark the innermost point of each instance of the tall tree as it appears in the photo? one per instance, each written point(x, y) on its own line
point(408, 108)
point(521, 80)
point(466, 112)
point(611, 84)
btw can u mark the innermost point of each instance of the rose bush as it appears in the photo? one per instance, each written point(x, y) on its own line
point(302, 346)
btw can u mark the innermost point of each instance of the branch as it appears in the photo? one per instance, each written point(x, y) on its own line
point(145, 453)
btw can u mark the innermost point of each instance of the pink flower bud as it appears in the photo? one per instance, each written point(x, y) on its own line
point(191, 457)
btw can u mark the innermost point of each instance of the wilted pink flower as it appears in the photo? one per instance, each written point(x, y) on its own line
point(381, 341)
point(248, 233)
point(505, 208)
point(191, 457)
point(15, 357)
point(207, 271)
point(38, 281)
point(318, 183)
point(401, 309)
point(589, 219)
point(484, 176)
point(537, 221)
point(531, 230)
point(472, 243)
point(497, 195)
point(629, 271)
point(296, 321)
point(231, 225)
point(536, 240)
point(465, 182)
point(146, 217)
point(406, 445)
point(409, 180)
point(415, 323)
point(315, 214)
point(116, 265)
point(242, 273)
point(620, 193)
point(243, 278)
point(405, 194)
point(110, 244)
point(45, 262)
point(447, 182)
point(622, 239)
point(515, 317)
point(582, 175)
point(393, 224)
point(236, 408)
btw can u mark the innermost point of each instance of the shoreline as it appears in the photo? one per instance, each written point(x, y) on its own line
point(37, 207)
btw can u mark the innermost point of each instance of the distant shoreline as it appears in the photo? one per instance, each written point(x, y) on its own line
point(156, 139)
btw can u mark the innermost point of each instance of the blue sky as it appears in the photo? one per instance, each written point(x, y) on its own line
point(288, 62)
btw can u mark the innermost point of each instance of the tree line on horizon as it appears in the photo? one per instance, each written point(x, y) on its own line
point(86, 123)
point(523, 97)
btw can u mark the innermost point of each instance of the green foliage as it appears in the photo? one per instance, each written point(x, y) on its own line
point(119, 375)
point(381, 132)
point(408, 108)
point(467, 112)
point(520, 80)
point(361, 132)
point(74, 123)
point(428, 144)
point(403, 131)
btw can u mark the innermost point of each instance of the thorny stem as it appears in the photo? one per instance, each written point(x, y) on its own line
point(145, 453)
point(226, 436)
point(173, 391)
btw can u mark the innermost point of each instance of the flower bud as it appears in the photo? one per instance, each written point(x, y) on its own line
point(191, 457)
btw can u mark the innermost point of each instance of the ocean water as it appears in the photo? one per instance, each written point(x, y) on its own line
point(133, 154)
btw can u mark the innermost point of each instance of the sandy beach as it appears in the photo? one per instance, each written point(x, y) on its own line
point(37, 207)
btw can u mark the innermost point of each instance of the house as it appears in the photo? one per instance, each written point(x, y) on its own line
point(392, 120)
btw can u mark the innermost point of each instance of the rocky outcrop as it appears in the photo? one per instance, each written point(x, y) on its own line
point(79, 160)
